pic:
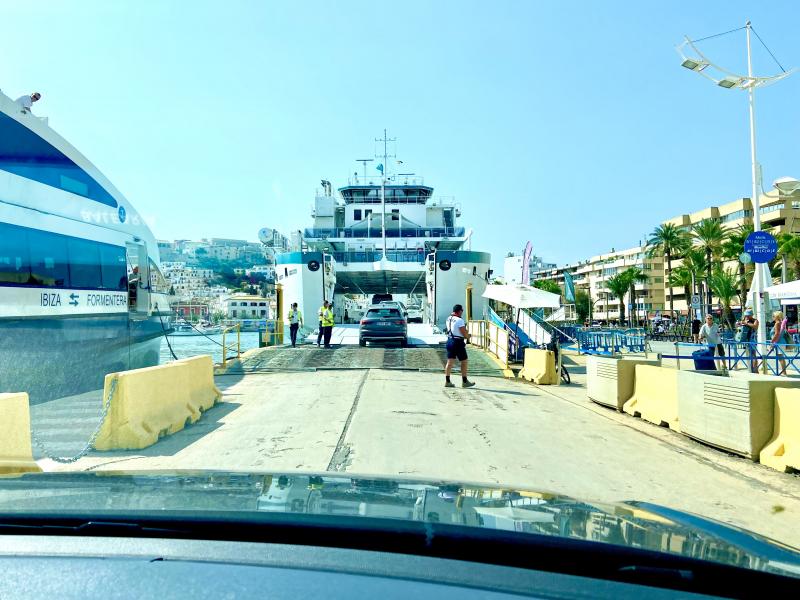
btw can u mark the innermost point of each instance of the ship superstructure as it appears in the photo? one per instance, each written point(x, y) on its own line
point(385, 234)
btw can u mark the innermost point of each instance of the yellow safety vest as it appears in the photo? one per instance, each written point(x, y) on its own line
point(327, 317)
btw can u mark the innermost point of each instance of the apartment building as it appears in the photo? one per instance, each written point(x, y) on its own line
point(593, 275)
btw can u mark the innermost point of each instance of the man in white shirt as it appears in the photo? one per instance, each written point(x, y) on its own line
point(26, 102)
point(709, 333)
point(457, 337)
point(295, 322)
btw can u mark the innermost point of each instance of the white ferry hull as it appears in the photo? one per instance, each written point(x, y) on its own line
point(53, 357)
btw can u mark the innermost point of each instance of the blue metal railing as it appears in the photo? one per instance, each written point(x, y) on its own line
point(779, 359)
point(611, 341)
point(375, 232)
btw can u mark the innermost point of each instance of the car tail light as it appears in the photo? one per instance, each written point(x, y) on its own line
point(366, 321)
point(401, 322)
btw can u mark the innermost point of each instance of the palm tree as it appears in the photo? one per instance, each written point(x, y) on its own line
point(547, 285)
point(724, 285)
point(732, 248)
point(709, 236)
point(634, 275)
point(667, 240)
point(618, 286)
point(789, 248)
point(681, 277)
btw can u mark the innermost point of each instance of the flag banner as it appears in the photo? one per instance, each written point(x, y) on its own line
point(526, 264)
point(380, 167)
point(569, 287)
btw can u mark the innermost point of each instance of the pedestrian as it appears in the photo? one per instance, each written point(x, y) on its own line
point(696, 330)
point(780, 338)
point(321, 331)
point(710, 333)
point(26, 102)
point(295, 323)
point(747, 334)
point(457, 337)
point(327, 325)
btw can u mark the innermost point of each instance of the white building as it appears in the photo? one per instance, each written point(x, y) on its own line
point(247, 306)
point(512, 267)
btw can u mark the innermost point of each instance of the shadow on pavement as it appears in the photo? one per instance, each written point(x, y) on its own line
point(172, 444)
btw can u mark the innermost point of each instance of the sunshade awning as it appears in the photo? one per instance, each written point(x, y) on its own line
point(790, 289)
point(522, 296)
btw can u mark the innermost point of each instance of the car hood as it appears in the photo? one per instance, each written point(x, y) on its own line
point(628, 523)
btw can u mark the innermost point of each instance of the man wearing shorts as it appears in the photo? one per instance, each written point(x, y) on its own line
point(457, 338)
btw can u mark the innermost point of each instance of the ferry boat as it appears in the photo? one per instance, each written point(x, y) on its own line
point(81, 291)
point(385, 234)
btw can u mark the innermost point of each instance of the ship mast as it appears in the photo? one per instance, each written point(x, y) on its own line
point(385, 166)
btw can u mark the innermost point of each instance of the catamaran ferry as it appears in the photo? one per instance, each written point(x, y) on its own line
point(81, 292)
point(385, 235)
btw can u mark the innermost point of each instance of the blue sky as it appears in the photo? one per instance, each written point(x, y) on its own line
point(570, 124)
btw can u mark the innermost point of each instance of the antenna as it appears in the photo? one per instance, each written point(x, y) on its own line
point(364, 162)
point(385, 166)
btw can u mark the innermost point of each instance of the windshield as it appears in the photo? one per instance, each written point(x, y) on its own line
point(487, 256)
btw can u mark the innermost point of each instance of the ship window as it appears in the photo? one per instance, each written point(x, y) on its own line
point(15, 265)
point(113, 268)
point(367, 213)
point(357, 214)
point(25, 154)
point(84, 264)
point(30, 257)
point(49, 264)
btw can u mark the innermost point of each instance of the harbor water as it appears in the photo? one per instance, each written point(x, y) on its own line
point(186, 346)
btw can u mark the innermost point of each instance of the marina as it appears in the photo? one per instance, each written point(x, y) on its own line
point(398, 301)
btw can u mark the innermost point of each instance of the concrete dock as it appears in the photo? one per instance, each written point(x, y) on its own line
point(388, 413)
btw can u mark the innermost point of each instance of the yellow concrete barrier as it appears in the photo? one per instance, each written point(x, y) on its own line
point(539, 367)
point(150, 403)
point(782, 452)
point(202, 392)
point(655, 396)
point(16, 455)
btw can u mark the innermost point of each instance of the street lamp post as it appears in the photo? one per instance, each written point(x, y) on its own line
point(703, 66)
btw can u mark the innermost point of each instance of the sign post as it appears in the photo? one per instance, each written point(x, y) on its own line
point(760, 247)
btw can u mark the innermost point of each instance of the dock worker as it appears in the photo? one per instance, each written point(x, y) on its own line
point(26, 102)
point(319, 314)
point(457, 338)
point(295, 323)
point(327, 324)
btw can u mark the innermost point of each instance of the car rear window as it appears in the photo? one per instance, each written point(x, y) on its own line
point(383, 312)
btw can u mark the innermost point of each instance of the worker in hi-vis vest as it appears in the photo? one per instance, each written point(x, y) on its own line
point(326, 318)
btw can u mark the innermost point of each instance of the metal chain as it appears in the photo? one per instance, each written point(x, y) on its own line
point(92, 439)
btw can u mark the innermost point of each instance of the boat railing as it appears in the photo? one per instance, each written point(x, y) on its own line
point(396, 179)
point(403, 255)
point(375, 232)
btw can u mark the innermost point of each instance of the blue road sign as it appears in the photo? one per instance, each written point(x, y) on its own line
point(761, 246)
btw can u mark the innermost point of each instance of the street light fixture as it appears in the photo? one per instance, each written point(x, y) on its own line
point(729, 80)
point(694, 65)
point(786, 185)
